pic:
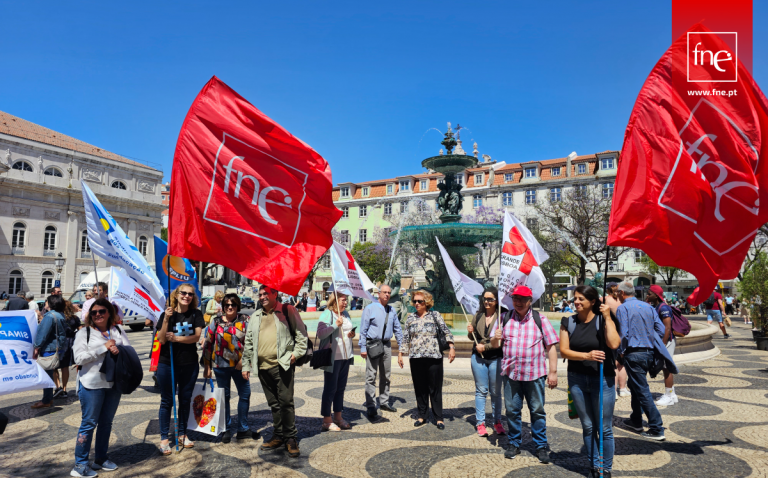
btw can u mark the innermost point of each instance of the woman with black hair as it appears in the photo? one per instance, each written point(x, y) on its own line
point(51, 339)
point(586, 339)
point(486, 361)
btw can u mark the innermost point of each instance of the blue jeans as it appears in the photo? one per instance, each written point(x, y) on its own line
point(98, 406)
point(533, 391)
point(186, 376)
point(487, 379)
point(223, 376)
point(637, 364)
point(586, 398)
point(713, 314)
point(48, 392)
point(334, 386)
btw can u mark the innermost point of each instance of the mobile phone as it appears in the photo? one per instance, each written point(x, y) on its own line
point(353, 329)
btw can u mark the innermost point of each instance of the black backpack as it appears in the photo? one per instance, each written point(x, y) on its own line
point(536, 318)
point(710, 303)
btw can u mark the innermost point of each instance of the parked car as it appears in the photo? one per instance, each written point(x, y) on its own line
point(247, 302)
point(204, 302)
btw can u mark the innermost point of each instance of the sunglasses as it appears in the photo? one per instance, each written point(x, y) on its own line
point(227, 306)
point(185, 294)
point(489, 299)
point(417, 301)
point(99, 311)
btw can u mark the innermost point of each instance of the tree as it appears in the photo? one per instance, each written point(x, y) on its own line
point(489, 253)
point(759, 245)
point(311, 276)
point(372, 260)
point(667, 274)
point(164, 234)
point(580, 221)
point(754, 286)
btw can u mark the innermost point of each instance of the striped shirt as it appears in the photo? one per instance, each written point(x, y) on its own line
point(637, 321)
point(523, 347)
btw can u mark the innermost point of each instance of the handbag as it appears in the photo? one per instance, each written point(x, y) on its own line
point(206, 413)
point(442, 342)
point(51, 362)
point(375, 347)
point(321, 357)
point(307, 357)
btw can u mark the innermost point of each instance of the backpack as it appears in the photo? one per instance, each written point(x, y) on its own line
point(307, 357)
point(710, 303)
point(571, 328)
point(536, 318)
point(680, 325)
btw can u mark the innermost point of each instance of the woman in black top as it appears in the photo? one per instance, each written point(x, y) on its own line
point(486, 361)
point(183, 331)
point(586, 338)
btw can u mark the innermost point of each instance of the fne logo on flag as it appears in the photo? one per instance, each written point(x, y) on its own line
point(15, 328)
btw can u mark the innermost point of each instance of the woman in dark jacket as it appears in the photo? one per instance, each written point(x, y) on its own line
point(486, 361)
point(51, 336)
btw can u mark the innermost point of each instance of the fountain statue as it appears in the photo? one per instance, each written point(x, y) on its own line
point(458, 238)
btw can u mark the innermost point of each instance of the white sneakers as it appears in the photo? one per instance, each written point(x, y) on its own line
point(624, 392)
point(667, 400)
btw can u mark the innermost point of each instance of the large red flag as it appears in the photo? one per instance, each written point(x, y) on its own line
point(247, 194)
point(693, 174)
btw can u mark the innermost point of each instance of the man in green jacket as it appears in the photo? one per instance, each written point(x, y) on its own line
point(276, 337)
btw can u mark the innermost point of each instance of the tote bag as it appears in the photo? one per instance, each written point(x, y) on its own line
point(206, 415)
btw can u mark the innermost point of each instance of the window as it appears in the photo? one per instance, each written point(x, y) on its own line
point(478, 179)
point(345, 211)
point(85, 246)
point(509, 177)
point(363, 235)
point(581, 168)
point(362, 211)
point(49, 241)
point(405, 186)
point(390, 188)
point(607, 190)
point(22, 166)
point(460, 179)
point(555, 171)
point(639, 255)
point(423, 185)
point(606, 163)
point(344, 191)
point(404, 264)
point(421, 206)
point(506, 199)
point(365, 191)
point(530, 197)
point(477, 201)
point(441, 181)
point(19, 237)
point(56, 172)
point(345, 237)
point(83, 275)
point(532, 223)
point(326, 264)
point(555, 195)
point(14, 285)
point(388, 209)
point(403, 207)
point(580, 191)
point(143, 246)
point(119, 185)
point(530, 172)
point(47, 283)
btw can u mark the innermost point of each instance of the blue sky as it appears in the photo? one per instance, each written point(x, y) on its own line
point(359, 81)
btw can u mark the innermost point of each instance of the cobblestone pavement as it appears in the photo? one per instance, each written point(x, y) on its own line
point(719, 428)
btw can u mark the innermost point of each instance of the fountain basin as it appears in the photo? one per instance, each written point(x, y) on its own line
point(450, 163)
point(458, 238)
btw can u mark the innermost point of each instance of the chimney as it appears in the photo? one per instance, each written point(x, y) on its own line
point(568, 160)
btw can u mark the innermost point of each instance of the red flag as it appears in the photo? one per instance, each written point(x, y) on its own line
point(693, 172)
point(247, 194)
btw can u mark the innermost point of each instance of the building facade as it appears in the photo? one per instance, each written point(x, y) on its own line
point(41, 205)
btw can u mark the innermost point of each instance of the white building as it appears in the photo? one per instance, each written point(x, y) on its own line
point(41, 204)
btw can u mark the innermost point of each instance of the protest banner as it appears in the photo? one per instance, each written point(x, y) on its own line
point(19, 372)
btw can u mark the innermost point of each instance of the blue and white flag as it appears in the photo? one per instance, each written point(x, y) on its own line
point(180, 269)
point(107, 240)
point(19, 372)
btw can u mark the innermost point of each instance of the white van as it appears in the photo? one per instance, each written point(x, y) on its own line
point(130, 318)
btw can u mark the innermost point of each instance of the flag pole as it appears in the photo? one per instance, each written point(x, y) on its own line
point(600, 373)
point(173, 378)
point(466, 318)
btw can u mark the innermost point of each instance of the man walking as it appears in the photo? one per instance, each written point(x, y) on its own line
point(715, 310)
point(729, 305)
point(17, 303)
point(638, 322)
point(528, 341)
point(377, 326)
point(276, 337)
point(656, 299)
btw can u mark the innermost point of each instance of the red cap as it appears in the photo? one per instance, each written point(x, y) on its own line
point(656, 289)
point(522, 291)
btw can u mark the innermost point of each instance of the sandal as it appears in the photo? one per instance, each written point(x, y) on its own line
point(331, 427)
point(343, 425)
point(188, 443)
point(166, 449)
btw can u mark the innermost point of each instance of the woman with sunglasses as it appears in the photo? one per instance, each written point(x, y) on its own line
point(223, 352)
point(486, 361)
point(421, 345)
point(99, 398)
point(180, 325)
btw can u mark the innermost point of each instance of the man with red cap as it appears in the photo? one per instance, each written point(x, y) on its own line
point(655, 297)
point(527, 340)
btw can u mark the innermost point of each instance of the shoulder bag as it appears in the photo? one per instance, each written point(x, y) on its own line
point(322, 357)
point(442, 342)
point(375, 347)
point(307, 357)
point(51, 362)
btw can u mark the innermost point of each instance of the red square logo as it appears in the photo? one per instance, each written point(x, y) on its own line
point(714, 64)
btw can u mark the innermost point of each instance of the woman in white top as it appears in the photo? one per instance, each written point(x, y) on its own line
point(312, 302)
point(336, 330)
point(99, 399)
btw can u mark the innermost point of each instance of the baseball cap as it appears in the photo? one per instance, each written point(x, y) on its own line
point(656, 289)
point(522, 291)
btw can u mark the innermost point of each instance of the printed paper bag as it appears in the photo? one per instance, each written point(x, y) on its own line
point(206, 414)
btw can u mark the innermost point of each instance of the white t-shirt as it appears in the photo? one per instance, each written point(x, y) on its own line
point(90, 355)
point(33, 306)
point(346, 328)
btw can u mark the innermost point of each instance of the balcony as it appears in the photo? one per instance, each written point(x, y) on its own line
point(49, 253)
point(85, 254)
point(613, 267)
point(17, 251)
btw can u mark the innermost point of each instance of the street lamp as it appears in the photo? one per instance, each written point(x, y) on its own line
point(59, 262)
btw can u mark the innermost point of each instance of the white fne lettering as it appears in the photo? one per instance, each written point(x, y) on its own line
point(259, 198)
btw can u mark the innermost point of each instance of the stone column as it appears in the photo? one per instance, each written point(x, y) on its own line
point(70, 250)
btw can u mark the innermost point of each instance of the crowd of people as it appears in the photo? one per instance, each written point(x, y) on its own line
point(514, 360)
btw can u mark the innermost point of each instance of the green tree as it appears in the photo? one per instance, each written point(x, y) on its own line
point(754, 288)
point(667, 274)
point(164, 234)
point(373, 260)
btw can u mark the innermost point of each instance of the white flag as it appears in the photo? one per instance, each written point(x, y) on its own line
point(127, 293)
point(108, 240)
point(19, 372)
point(348, 277)
point(465, 287)
point(521, 256)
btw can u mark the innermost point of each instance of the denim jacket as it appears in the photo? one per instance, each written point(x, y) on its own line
point(47, 334)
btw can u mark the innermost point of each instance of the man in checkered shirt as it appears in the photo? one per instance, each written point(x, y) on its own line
point(526, 348)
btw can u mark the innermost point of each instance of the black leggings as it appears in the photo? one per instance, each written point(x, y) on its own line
point(427, 375)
